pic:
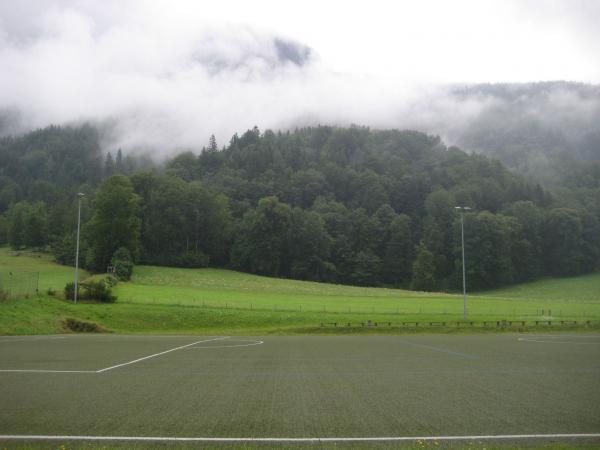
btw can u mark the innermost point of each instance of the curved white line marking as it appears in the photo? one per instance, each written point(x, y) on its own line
point(307, 439)
point(252, 342)
point(117, 365)
point(158, 354)
point(594, 336)
point(550, 341)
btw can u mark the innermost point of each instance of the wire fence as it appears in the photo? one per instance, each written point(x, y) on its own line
point(417, 311)
point(465, 324)
point(18, 284)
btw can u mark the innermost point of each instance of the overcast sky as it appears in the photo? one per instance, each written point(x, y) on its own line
point(173, 72)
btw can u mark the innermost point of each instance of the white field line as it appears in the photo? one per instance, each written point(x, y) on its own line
point(158, 354)
point(7, 341)
point(48, 371)
point(252, 342)
point(551, 341)
point(588, 336)
point(308, 439)
point(559, 342)
point(115, 366)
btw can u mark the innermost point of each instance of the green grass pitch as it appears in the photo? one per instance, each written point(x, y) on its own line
point(299, 387)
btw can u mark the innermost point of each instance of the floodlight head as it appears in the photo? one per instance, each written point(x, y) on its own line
point(80, 194)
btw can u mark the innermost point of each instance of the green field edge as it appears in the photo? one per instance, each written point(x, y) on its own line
point(163, 300)
point(571, 444)
point(49, 317)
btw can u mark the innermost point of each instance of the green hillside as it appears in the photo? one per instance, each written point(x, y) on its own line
point(25, 262)
point(585, 288)
point(169, 300)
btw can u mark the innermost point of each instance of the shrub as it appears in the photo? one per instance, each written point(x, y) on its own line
point(81, 326)
point(91, 290)
point(70, 290)
point(111, 280)
point(98, 290)
point(122, 264)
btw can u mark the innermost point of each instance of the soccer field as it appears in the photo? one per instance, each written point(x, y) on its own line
point(299, 388)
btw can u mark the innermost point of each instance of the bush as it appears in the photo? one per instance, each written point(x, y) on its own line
point(98, 290)
point(111, 280)
point(81, 326)
point(70, 291)
point(122, 264)
point(91, 290)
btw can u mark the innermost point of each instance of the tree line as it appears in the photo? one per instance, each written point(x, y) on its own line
point(344, 205)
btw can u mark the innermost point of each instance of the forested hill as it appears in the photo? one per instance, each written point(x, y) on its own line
point(547, 130)
point(348, 205)
point(357, 167)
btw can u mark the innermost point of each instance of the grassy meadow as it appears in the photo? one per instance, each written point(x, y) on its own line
point(170, 300)
point(51, 275)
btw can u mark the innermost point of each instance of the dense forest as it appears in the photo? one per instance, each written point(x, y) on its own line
point(345, 205)
point(534, 128)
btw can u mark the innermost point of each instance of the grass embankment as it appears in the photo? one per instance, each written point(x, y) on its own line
point(169, 300)
point(211, 288)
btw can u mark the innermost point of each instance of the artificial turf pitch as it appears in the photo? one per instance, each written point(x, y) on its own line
point(299, 386)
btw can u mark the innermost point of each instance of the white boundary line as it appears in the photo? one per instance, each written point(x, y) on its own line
point(7, 341)
point(583, 336)
point(314, 439)
point(252, 342)
point(551, 341)
point(115, 366)
point(46, 371)
point(158, 354)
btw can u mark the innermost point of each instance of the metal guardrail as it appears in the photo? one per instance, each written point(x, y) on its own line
point(462, 324)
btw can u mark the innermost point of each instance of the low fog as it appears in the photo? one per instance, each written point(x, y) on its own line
point(158, 79)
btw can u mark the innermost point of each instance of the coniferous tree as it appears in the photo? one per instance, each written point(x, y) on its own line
point(119, 167)
point(212, 144)
point(109, 166)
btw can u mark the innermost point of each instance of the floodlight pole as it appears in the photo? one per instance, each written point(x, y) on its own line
point(79, 195)
point(462, 209)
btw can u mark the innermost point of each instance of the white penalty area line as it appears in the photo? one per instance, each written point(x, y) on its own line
point(115, 366)
point(252, 342)
point(158, 354)
point(314, 439)
point(579, 336)
point(552, 341)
